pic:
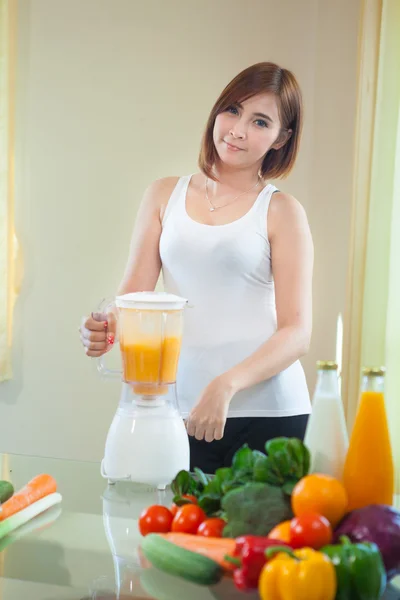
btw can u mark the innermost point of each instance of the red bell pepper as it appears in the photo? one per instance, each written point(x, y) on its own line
point(249, 556)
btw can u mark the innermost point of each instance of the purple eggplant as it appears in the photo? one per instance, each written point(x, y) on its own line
point(379, 524)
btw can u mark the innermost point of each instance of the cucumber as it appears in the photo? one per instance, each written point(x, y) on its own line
point(6, 491)
point(172, 559)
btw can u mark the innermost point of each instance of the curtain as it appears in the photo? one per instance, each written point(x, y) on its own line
point(372, 322)
point(8, 241)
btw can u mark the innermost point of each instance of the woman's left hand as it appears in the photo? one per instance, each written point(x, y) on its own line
point(208, 417)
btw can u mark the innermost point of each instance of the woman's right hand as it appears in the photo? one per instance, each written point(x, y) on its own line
point(97, 333)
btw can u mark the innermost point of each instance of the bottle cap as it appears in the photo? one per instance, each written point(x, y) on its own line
point(374, 371)
point(326, 365)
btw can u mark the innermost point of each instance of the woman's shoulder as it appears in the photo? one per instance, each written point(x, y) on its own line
point(169, 183)
point(160, 190)
point(284, 205)
point(163, 185)
point(285, 211)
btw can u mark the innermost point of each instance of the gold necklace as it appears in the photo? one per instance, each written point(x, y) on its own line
point(213, 207)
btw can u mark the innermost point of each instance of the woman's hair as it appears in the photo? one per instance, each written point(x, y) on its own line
point(258, 79)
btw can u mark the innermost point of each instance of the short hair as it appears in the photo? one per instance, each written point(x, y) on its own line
point(261, 78)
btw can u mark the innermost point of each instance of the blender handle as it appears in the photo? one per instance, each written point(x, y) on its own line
point(103, 370)
point(101, 367)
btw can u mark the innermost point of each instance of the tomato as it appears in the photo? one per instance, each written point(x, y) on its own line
point(281, 532)
point(311, 530)
point(211, 527)
point(155, 519)
point(174, 507)
point(188, 518)
point(190, 497)
point(322, 494)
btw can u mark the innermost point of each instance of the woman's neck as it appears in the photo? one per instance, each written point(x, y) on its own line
point(231, 178)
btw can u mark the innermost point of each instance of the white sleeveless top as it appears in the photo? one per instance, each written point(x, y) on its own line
point(224, 271)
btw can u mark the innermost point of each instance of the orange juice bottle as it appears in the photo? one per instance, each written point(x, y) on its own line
point(368, 471)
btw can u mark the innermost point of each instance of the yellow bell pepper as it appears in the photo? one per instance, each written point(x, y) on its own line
point(303, 574)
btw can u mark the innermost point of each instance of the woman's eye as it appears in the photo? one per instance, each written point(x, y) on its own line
point(232, 109)
point(261, 123)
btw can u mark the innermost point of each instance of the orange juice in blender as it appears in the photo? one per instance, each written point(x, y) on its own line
point(151, 362)
point(369, 470)
point(150, 344)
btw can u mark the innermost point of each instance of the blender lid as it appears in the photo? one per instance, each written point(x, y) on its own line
point(151, 301)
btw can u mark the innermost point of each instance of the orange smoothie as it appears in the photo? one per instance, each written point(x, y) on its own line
point(151, 362)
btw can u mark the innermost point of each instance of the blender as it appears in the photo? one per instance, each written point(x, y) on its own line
point(147, 441)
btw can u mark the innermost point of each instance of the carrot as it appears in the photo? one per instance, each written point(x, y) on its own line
point(212, 547)
point(39, 487)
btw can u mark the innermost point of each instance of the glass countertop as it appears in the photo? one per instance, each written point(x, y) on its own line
point(87, 547)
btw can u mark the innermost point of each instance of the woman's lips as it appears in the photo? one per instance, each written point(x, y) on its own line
point(232, 147)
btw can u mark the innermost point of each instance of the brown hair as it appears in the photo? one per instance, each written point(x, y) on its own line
point(261, 78)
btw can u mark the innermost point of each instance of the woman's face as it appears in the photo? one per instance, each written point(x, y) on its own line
point(244, 132)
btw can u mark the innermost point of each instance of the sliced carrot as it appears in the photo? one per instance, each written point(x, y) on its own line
point(39, 487)
point(214, 548)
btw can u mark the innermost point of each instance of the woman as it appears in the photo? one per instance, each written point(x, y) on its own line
point(241, 252)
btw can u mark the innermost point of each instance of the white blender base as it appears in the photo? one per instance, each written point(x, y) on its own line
point(148, 450)
point(161, 486)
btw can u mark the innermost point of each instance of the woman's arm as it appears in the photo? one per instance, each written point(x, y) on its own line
point(98, 331)
point(292, 256)
point(144, 264)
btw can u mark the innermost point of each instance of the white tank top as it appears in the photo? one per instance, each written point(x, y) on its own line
point(225, 273)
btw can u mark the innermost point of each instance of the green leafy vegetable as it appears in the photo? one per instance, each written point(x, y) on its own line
point(287, 460)
point(210, 503)
point(213, 492)
point(203, 478)
point(276, 445)
point(263, 471)
point(243, 461)
point(255, 509)
point(289, 486)
point(299, 456)
point(183, 484)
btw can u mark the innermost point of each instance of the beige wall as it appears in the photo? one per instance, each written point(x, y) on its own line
point(112, 95)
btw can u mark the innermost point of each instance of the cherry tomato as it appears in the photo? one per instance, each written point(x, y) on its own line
point(190, 497)
point(211, 527)
point(312, 530)
point(174, 507)
point(155, 519)
point(188, 518)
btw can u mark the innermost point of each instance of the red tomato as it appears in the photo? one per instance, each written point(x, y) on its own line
point(188, 519)
point(155, 519)
point(174, 507)
point(312, 530)
point(190, 497)
point(211, 528)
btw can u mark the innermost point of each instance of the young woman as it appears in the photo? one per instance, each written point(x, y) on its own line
point(241, 252)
